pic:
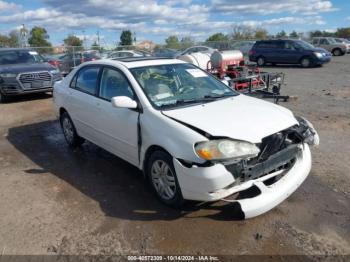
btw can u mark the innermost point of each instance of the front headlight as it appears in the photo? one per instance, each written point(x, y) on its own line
point(7, 75)
point(54, 71)
point(311, 136)
point(222, 149)
point(318, 55)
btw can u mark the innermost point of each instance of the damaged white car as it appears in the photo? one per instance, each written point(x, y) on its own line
point(192, 136)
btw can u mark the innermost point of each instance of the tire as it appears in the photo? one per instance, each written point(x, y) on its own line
point(162, 177)
point(260, 61)
point(306, 62)
point(69, 131)
point(337, 52)
point(3, 98)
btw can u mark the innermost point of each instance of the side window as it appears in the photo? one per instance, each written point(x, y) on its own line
point(323, 42)
point(114, 83)
point(87, 79)
point(315, 42)
point(289, 45)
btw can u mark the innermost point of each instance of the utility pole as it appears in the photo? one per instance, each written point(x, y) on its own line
point(98, 37)
point(23, 33)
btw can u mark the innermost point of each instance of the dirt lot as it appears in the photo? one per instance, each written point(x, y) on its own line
point(57, 201)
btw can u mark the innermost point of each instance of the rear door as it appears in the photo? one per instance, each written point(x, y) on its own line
point(324, 43)
point(83, 102)
point(270, 51)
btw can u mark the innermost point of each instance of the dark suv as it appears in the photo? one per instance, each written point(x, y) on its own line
point(288, 52)
point(24, 71)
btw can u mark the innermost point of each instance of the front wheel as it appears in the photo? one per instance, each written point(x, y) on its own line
point(3, 98)
point(337, 52)
point(306, 62)
point(69, 131)
point(162, 176)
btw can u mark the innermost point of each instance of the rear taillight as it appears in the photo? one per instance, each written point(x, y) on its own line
point(251, 52)
point(82, 60)
point(54, 63)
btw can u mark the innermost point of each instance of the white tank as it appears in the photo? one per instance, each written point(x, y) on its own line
point(225, 57)
point(198, 59)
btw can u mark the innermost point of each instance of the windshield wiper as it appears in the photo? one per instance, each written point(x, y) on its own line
point(206, 98)
point(180, 102)
point(214, 97)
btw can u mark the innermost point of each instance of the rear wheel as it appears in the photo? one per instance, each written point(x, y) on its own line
point(261, 61)
point(337, 52)
point(306, 62)
point(162, 176)
point(69, 131)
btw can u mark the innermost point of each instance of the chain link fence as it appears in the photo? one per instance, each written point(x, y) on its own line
point(67, 57)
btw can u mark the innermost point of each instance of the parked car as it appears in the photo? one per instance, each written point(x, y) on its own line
point(24, 71)
point(345, 42)
point(196, 49)
point(330, 44)
point(125, 53)
point(53, 59)
point(288, 52)
point(165, 52)
point(243, 46)
point(180, 126)
point(69, 60)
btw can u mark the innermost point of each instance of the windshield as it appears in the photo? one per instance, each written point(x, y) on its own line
point(20, 57)
point(304, 45)
point(342, 40)
point(174, 85)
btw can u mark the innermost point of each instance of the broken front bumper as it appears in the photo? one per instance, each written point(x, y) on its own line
point(216, 183)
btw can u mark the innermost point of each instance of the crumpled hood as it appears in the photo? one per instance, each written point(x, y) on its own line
point(23, 68)
point(240, 117)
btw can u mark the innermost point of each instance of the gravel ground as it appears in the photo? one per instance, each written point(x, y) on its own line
point(57, 201)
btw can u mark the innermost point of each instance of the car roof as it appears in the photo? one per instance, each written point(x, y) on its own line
point(133, 62)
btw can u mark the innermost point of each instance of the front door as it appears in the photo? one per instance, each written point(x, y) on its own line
point(117, 126)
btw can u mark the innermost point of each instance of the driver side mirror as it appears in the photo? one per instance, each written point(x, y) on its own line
point(123, 102)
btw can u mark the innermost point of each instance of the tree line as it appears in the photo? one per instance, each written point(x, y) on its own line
point(39, 37)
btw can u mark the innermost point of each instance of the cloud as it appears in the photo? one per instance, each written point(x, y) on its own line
point(272, 6)
point(164, 17)
point(6, 6)
point(133, 10)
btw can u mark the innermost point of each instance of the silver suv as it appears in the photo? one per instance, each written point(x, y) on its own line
point(330, 44)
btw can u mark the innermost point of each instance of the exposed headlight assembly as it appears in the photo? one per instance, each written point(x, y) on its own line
point(310, 135)
point(7, 75)
point(225, 149)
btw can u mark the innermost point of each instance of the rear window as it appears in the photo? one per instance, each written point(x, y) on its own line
point(268, 44)
point(86, 79)
point(20, 57)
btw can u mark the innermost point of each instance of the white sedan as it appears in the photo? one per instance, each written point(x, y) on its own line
point(192, 136)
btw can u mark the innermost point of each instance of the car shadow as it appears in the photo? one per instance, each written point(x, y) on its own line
point(27, 97)
point(118, 187)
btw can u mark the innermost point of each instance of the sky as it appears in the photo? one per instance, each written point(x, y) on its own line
point(157, 19)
